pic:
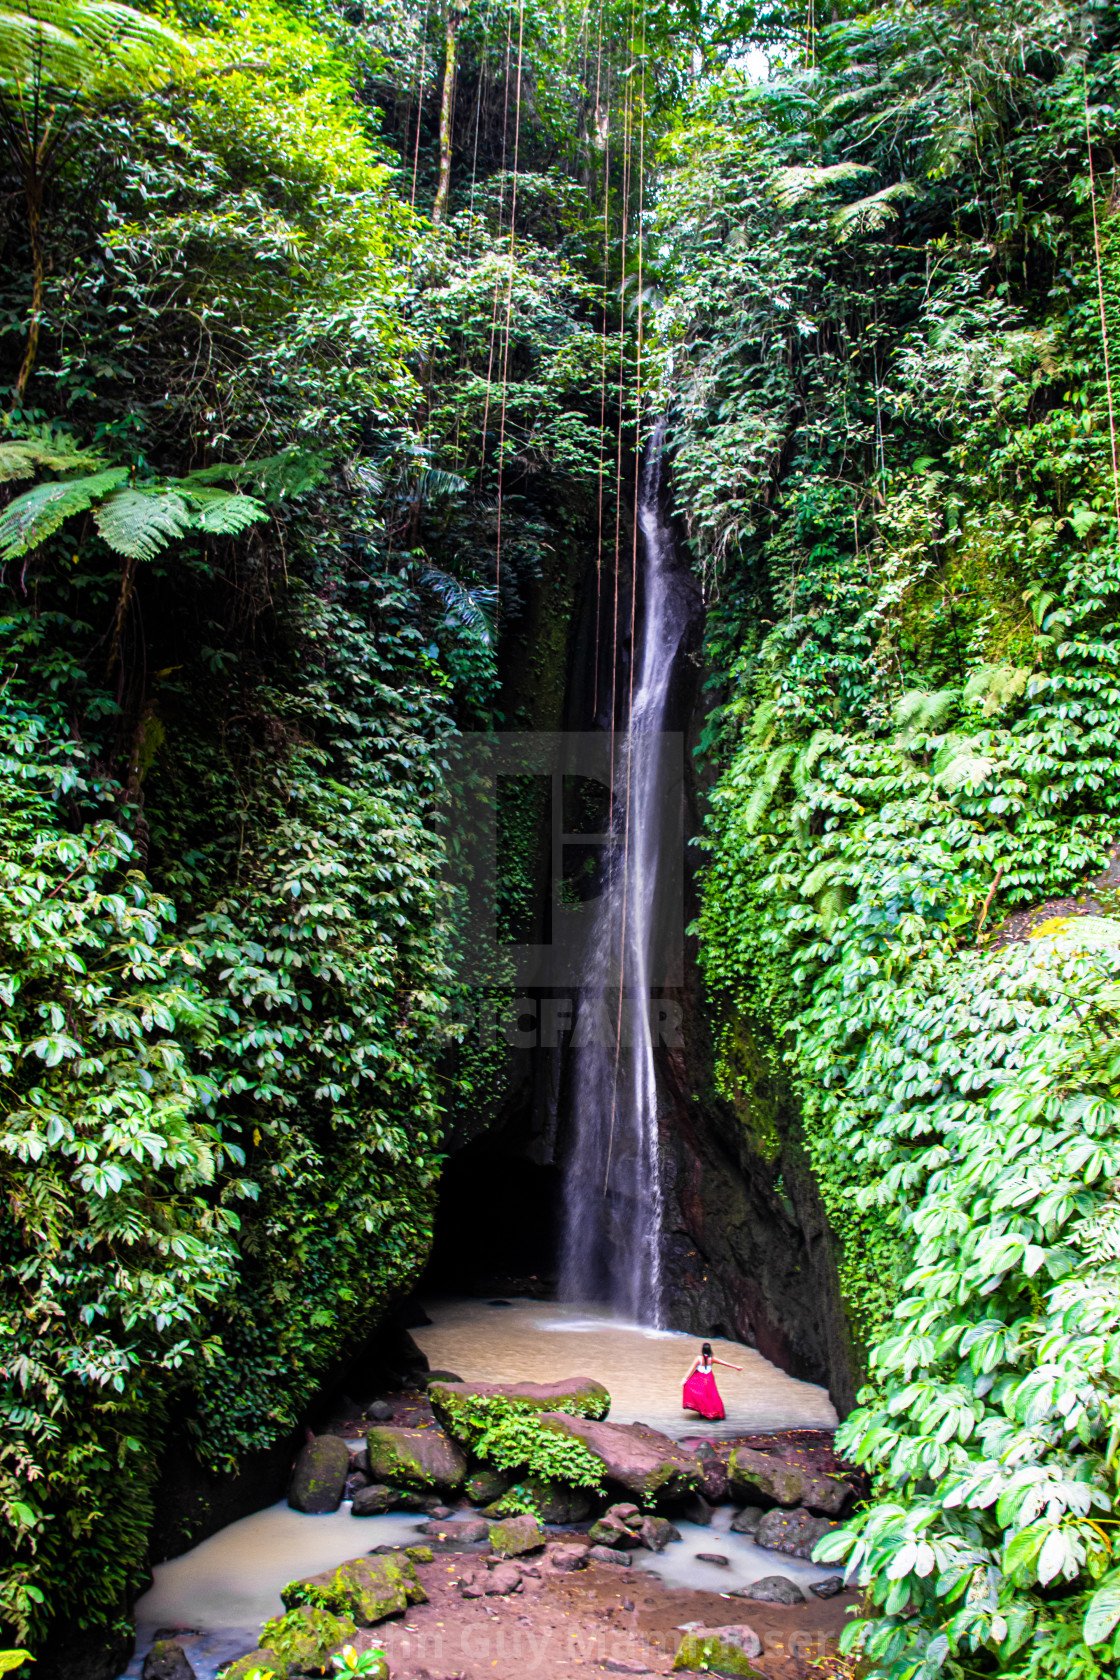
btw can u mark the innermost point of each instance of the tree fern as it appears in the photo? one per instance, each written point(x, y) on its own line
point(38, 513)
point(779, 761)
point(43, 449)
point(868, 215)
point(467, 610)
point(138, 523)
point(790, 186)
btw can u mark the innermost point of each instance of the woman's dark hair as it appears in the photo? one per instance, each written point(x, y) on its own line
point(706, 1350)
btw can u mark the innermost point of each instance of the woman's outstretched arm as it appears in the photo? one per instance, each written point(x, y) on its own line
point(727, 1363)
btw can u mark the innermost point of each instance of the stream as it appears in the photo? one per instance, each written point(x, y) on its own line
point(226, 1586)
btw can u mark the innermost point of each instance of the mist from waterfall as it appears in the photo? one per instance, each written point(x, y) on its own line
point(612, 1204)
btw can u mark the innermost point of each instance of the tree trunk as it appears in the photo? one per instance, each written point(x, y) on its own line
point(33, 189)
point(443, 190)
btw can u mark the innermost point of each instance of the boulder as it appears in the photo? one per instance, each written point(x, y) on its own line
point(828, 1588)
point(260, 1660)
point(758, 1478)
point(656, 1533)
point(555, 1502)
point(714, 1488)
point(643, 1461)
point(747, 1520)
point(441, 1377)
point(793, 1532)
point(467, 1533)
point(484, 1485)
point(772, 1589)
point(367, 1589)
point(725, 1650)
point(582, 1396)
point(304, 1638)
point(695, 1509)
point(380, 1411)
point(605, 1554)
point(505, 1579)
point(424, 1460)
point(420, 1554)
point(609, 1531)
point(167, 1661)
point(374, 1501)
point(319, 1476)
point(516, 1535)
point(359, 1455)
point(566, 1559)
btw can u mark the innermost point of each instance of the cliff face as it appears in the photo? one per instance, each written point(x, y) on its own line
point(748, 1251)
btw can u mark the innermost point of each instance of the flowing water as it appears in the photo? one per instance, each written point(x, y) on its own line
point(611, 1247)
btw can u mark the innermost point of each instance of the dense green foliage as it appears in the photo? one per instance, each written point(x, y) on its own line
point(882, 347)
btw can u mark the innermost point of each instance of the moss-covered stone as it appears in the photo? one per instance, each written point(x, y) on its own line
point(304, 1638)
point(581, 1396)
point(516, 1535)
point(727, 1650)
point(319, 1476)
point(424, 1460)
point(419, 1554)
point(751, 1473)
point(366, 1588)
point(259, 1661)
point(486, 1485)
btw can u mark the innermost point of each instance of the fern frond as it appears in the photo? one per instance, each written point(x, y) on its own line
point(36, 515)
point(958, 764)
point(434, 481)
point(138, 523)
point(467, 609)
point(758, 803)
point(273, 476)
point(789, 186)
point(81, 46)
point(920, 712)
point(868, 215)
point(222, 513)
point(810, 758)
point(41, 448)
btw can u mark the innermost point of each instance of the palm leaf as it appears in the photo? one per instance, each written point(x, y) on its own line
point(38, 513)
point(789, 186)
point(467, 609)
point(868, 215)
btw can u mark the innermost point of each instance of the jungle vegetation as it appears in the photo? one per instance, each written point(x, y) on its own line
point(323, 327)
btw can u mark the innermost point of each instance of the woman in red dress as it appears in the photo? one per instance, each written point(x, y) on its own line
point(700, 1391)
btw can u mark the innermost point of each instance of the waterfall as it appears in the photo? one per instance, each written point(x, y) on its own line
point(612, 1205)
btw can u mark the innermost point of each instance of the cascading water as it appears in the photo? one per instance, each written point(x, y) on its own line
point(612, 1186)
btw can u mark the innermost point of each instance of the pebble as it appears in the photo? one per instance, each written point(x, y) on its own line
point(829, 1587)
point(713, 1557)
point(620, 1665)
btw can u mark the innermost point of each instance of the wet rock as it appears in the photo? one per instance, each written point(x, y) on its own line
point(359, 1455)
point(441, 1511)
point(304, 1638)
point(354, 1484)
point(792, 1532)
point(656, 1533)
point(609, 1531)
point(622, 1665)
point(466, 1533)
point(567, 1559)
point(829, 1587)
point(167, 1661)
point(319, 1475)
point(747, 1520)
point(484, 1486)
point(639, 1459)
point(516, 1535)
point(555, 1502)
point(772, 1589)
point(441, 1377)
point(725, 1650)
point(424, 1460)
point(757, 1478)
point(582, 1395)
point(380, 1411)
point(605, 1554)
point(713, 1557)
point(695, 1509)
point(714, 1487)
point(419, 1554)
point(367, 1589)
point(374, 1501)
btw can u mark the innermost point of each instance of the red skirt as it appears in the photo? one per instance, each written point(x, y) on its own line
point(701, 1395)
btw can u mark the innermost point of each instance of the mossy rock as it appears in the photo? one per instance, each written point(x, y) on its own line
point(726, 1651)
point(261, 1660)
point(581, 1396)
point(367, 1588)
point(304, 1638)
point(419, 1554)
point(423, 1460)
point(484, 1485)
point(319, 1477)
point(516, 1535)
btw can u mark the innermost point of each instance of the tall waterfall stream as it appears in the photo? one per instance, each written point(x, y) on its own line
point(612, 1209)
